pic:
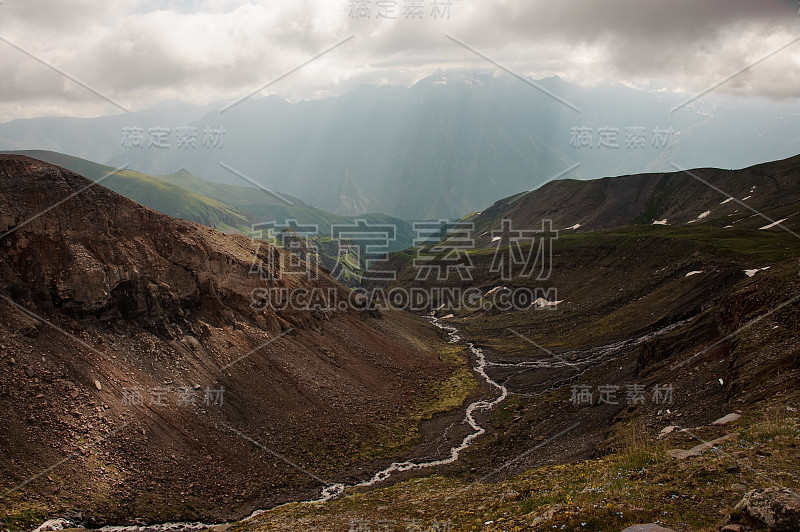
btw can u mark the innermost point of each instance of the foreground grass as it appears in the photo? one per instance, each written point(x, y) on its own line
point(637, 484)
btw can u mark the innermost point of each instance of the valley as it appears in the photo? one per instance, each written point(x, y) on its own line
point(348, 407)
point(122, 338)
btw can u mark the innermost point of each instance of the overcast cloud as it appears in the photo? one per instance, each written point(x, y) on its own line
point(140, 52)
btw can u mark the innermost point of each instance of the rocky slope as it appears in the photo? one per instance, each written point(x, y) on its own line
point(139, 382)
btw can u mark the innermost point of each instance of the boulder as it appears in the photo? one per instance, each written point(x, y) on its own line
point(724, 420)
point(682, 454)
point(777, 508)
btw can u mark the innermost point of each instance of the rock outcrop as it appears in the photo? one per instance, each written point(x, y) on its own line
point(776, 508)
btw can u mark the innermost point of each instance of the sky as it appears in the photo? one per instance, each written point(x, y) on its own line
point(95, 57)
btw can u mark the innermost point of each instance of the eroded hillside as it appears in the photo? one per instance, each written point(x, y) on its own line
point(139, 382)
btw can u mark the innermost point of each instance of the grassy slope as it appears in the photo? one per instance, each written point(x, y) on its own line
point(184, 195)
point(149, 191)
point(269, 207)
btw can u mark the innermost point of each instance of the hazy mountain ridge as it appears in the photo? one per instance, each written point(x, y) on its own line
point(217, 205)
point(150, 191)
point(445, 146)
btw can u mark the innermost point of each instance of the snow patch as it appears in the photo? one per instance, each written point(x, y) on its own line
point(542, 302)
point(700, 216)
point(751, 273)
point(493, 290)
point(54, 524)
point(695, 272)
point(726, 201)
point(495, 239)
point(660, 222)
point(773, 224)
point(746, 198)
point(573, 227)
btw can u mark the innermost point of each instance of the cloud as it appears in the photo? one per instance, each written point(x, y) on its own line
point(143, 51)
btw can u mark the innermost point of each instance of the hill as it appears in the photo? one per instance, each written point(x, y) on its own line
point(704, 196)
point(140, 380)
point(706, 307)
point(265, 207)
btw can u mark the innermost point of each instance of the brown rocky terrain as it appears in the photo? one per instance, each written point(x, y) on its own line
point(136, 380)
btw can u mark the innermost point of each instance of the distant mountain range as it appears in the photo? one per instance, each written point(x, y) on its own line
point(447, 146)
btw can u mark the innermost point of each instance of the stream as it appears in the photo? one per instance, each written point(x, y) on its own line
point(335, 490)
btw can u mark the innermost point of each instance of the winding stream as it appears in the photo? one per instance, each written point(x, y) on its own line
point(335, 490)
